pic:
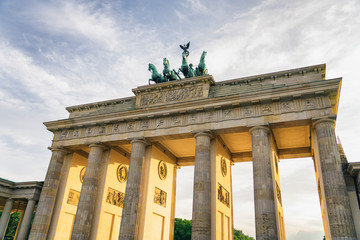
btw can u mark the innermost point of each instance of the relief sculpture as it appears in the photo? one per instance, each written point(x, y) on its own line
point(171, 95)
point(115, 197)
point(73, 197)
point(278, 193)
point(223, 195)
point(160, 197)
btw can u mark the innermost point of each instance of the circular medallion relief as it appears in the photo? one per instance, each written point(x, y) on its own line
point(122, 173)
point(82, 174)
point(162, 170)
point(223, 166)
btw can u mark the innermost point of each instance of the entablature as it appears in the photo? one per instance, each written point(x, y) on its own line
point(284, 94)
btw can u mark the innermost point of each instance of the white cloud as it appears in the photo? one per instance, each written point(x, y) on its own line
point(308, 235)
point(80, 53)
point(80, 21)
point(195, 6)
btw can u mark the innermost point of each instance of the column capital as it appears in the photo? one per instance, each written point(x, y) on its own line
point(267, 129)
point(354, 169)
point(329, 120)
point(59, 148)
point(142, 140)
point(203, 133)
point(98, 145)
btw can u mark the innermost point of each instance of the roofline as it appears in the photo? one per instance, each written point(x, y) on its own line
point(243, 79)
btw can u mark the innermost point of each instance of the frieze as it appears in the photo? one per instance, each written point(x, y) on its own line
point(160, 123)
point(145, 124)
point(101, 129)
point(76, 133)
point(176, 120)
point(115, 197)
point(64, 134)
point(210, 116)
point(73, 197)
point(228, 113)
point(286, 106)
point(174, 95)
point(267, 108)
point(131, 126)
point(193, 118)
point(223, 166)
point(223, 195)
point(278, 193)
point(200, 116)
point(247, 111)
point(90, 131)
point(160, 197)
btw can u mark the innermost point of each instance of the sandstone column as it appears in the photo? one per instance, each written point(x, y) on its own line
point(26, 221)
point(201, 213)
point(5, 216)
point(128, 227)
point(265, 212)
point(87, 200)
point(337, 201)
point(46, 203)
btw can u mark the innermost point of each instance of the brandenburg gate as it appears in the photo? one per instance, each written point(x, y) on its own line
point(112, 173)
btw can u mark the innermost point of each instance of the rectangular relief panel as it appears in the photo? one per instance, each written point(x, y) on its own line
point(160, 197)
point(73, 197)
point(115, 197)
point(223, 195)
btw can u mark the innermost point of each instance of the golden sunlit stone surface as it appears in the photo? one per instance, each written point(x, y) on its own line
point(197, 121)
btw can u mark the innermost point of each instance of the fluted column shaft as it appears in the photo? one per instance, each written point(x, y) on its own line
point(87, 199)
point(26, 221)
point(201, 213)
point(265, 212)
point(46, 203)
point(337, 201)
point(5, 216)
point(128, 227)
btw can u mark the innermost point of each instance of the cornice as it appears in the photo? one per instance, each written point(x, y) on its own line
point(274, 75)
point(301, 90)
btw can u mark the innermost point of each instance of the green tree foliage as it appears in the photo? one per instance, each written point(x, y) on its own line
point(182, 231)
point(239, 235)
point(12, 226)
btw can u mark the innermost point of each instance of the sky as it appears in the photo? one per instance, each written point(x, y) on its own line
point(55, 54)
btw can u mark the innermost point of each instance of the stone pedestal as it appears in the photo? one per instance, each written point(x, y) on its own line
point(201, 215)
point(46, 203)
point(128, 227)
point(339, 217)
point(265, 210)
point(5, 216)
point(26, 221)
point(87, 200)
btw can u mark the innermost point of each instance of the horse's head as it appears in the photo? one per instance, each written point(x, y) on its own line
point(203, 54)
point(184, 55)
point(151, 67)
point(165, 61)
